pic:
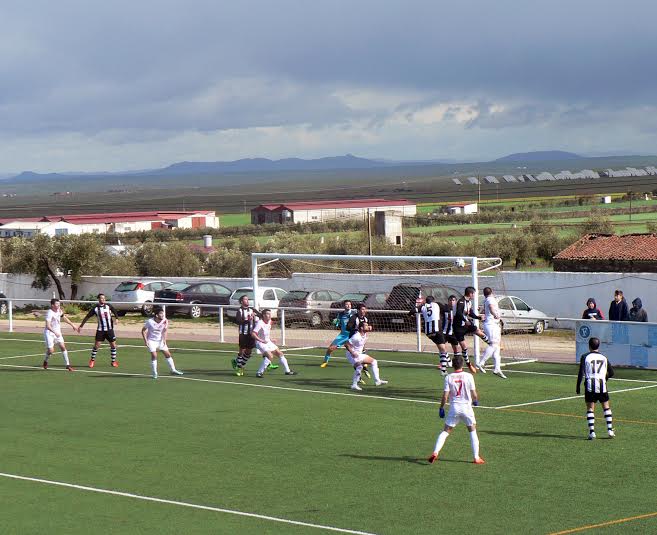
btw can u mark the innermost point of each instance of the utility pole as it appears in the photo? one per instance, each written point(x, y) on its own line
point(630, 194)
point(478, 192)
point(369, 239)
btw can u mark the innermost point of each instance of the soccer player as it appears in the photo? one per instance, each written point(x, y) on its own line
point(53, 332)
point(341, 321)
point(493, 332)
point(595, 369)
point(107, 317)
point(358, 358)
point(431, 314)
point(154, 333)
point(463, 324)
point(245, 319)
point(462, 395)
point(265, 345)
point(352, 327)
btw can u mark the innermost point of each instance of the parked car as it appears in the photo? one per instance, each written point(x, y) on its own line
point(197, 294)
point(373, 301)
point(4, 305)
point(518, 315)
point(403, 297)
point(315, 305)
point(141, 292)
point(268, 297)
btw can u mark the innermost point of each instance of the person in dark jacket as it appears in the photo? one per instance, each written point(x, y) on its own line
point(637, 312)
point(592, 311)
point(618, 309)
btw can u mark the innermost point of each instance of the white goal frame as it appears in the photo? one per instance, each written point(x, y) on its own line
point(261, 259)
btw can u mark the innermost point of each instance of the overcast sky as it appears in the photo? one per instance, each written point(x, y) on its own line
point(89, 85)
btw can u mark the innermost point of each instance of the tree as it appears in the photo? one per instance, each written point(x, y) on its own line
point(597, 224)
point(77, 255)
point(171, 259)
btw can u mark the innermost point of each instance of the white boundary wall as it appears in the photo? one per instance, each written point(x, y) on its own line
point(623, 343)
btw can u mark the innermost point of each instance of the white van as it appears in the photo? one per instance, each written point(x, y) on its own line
point(268, 297)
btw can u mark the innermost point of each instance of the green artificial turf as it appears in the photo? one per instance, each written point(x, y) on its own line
point(310, 450)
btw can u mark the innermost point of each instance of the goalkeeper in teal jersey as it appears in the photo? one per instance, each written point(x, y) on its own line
point(341, 321)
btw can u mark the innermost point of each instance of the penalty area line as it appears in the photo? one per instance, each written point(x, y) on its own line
point(182, 504)
point(42, 354)
point(605, 524)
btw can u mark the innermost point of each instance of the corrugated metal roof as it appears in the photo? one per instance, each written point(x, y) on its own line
point(330, 205)
point(612, 247)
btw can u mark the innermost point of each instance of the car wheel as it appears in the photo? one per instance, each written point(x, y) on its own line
point(316, 320)
point(147, 308)
point(539, 327)
point(4, 308)
point(195, 311)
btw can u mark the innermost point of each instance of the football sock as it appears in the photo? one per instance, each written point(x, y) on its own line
point(65, 355)
point(474, 442)
point(171, 364)
point(327, 357)
point(94, 352)
point(113, 353)
point(265, 362)
point(488, 353)
point(443, 362)
point(609, 419)
point(485, 338)
point(241, 360)
point(466, 359)
point(590, 418)
point(357, 372)
point(440, 442)
point(154, 366)
point(375, 370)
point(47, 357)
point(283, 360)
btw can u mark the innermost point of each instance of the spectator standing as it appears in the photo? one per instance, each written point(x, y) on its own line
point(637, 312)
point(618, 309)
point(592, 311)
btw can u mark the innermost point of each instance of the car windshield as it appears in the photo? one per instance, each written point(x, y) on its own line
point(353, 297)
point(243, 291)
point(177, 286)
point(128, 286)
point(295, 294)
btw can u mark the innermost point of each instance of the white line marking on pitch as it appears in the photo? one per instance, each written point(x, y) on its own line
point(42, 354)
point(571, 397)
point(182, 504)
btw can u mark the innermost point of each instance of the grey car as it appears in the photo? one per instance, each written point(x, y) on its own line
point(518, 315)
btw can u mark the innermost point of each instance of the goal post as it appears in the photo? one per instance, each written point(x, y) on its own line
point(391, 286)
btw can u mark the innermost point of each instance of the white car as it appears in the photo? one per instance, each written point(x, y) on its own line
point(518, 315)
point(268, 297)
point(141, 293)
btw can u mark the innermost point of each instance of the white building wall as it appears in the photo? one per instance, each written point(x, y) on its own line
point(131, 226)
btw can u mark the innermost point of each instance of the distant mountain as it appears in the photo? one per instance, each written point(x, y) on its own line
point(249, 165)
point(540, 156)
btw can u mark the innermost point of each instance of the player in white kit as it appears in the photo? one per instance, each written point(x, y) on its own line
point(52, 333)
point(154, 333)
point(358, 358)
point(462, 395)
point(266, 347)
point(493, 331)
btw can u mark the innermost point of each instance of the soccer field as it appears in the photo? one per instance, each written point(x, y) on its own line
point(112, 451)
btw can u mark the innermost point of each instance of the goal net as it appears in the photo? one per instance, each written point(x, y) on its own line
point(390, 287)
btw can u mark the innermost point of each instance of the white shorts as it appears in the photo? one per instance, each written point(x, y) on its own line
point(460, 412)
point(156, 345)
point(493, 331)
point(267, 347)
point(357, 360)
point(51, 338)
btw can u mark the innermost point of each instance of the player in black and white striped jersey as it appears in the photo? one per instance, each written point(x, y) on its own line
point(595, 370)
point(107, 319)
point(432, 314)
point(245, 317)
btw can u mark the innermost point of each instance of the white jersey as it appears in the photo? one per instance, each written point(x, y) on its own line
point(263, 330)
point(491, 311)
point(55, 319)
point(154, 330)
point(459, 385)
point(431, 315)
point(357, 343)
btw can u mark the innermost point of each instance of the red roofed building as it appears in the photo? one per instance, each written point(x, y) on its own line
point(320, 211)
point(632, 253)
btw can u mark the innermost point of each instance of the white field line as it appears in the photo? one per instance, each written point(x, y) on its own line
point(42, 354)
point(572, 397)
point(182, 504)
point(406, 363)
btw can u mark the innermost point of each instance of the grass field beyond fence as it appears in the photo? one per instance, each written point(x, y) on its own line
point(304, 454)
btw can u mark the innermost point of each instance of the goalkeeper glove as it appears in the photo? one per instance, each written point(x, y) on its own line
point(476, 402)
point(336, 322)
point(441, 412)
